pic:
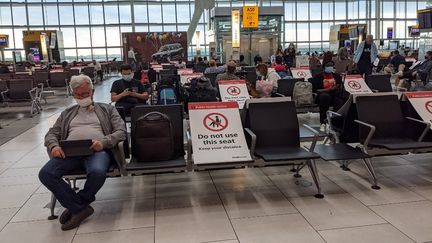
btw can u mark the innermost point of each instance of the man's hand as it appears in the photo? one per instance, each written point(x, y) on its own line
point(125, 93)
point(58, 152)
point(414, 73)
point(96, 145)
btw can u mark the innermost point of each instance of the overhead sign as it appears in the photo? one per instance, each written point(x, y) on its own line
point(217, 133)
point(234, 90)
point(235, 28)
point(355, 84)
point(422, 103)
point(250, 16)
point(187, 77)
point(301, 72)
point(4, 40)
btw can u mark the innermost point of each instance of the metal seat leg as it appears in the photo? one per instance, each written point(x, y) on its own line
point(52, 207)
point(371, 171)
point(314, 172)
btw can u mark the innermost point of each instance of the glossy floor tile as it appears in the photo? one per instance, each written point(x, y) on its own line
point(384, 233)
point(413, 219)
point(141, 235)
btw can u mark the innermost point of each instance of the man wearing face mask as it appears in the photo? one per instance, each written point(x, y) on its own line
point(128, 92)
point(326, 85)
point(421, 70)
point(87, 120)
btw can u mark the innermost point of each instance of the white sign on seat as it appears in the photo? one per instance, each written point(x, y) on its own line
point(186, 77)
point(301, 72)
point(217, 133)
point(422, 103)
point(234, 90)
point(355, 84)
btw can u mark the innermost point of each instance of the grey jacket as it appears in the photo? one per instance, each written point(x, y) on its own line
point(112, 125)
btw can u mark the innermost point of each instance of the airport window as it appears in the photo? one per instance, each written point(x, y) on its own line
point(91, 21)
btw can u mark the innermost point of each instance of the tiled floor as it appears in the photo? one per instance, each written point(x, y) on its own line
point(262, 205)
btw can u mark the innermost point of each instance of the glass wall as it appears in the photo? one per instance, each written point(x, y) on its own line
point(92, 28)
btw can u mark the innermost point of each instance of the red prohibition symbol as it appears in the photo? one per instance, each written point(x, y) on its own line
point(215, 122)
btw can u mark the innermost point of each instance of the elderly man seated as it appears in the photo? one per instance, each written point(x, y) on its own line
point(86, 120)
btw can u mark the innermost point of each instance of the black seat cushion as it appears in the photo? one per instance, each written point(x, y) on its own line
point(178, 162)
point(284, 153)
point(83, 172)
point(398, 143)
point(339, 151)
point(306, 133)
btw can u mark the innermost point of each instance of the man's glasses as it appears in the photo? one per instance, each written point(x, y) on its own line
point(82, 95)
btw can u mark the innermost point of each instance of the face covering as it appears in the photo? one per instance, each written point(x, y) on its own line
point(258, 73)
point(127, 77)
point(329, 69)
point(84, 102)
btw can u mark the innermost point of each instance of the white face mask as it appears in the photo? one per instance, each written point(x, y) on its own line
point(84, 102)
point(128, 77)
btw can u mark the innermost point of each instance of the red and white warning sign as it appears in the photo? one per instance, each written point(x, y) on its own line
point(234, 90)
point(187, 77)
point(422, 103)
point(181, 71)
point(217, 133)
point(355, 84)
point(301, 72)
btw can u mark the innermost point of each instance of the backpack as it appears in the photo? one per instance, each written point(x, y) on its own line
point(167, 96)
point(201, 93)
point(154, 138)
point(302, 93)
point(264, 88)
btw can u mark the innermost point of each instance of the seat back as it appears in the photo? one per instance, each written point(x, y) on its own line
point(175, 114)
point(41, 77)
point(251, 76)
point(19, 89)
point(89, 71)
point(248, 68)
point(72, 72)
point(384, 112)
point(275, 124)
point(58, 79)
point(22, 76)
point(380, 82)
point(169, 67)
point(212, 77)
point(167, 73)
point(286, 86)
point(200, 68)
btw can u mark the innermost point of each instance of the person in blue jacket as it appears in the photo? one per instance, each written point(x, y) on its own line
point(365, 55)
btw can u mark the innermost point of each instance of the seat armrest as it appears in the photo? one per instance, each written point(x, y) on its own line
point(189, 146)
point(3, 94)
point(251, 139)
point(375, 91)
point(371, 131)
point(279, 95)
point(427, 128)
point(315, 139)
point(330, 115)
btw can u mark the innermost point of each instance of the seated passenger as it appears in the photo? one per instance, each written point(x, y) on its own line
point(279, 67)
point(422, 69)
point(214, 68)
point(86, 120)
point(326, 85)
point(200, 66)
point(230, 72)
point(269, 75)
point(396, 60)
point(242, 62)
point(98, 68)
point(128, 92)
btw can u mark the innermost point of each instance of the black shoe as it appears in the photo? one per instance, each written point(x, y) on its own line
point(76, 219)
point(65, 216)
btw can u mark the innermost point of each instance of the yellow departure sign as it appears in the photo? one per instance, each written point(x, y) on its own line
point(250, 16)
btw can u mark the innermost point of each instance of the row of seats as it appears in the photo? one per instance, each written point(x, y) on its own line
point(280, 143)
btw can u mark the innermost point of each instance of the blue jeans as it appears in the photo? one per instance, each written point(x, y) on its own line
point(96, 167)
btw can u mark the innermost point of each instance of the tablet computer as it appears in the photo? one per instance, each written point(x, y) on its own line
point(74, 148)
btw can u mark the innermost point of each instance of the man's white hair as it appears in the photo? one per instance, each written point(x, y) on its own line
point(78, 80)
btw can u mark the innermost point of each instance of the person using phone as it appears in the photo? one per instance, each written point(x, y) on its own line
point(128, 92)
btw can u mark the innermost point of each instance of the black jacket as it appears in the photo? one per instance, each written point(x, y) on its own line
point(317, 81)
